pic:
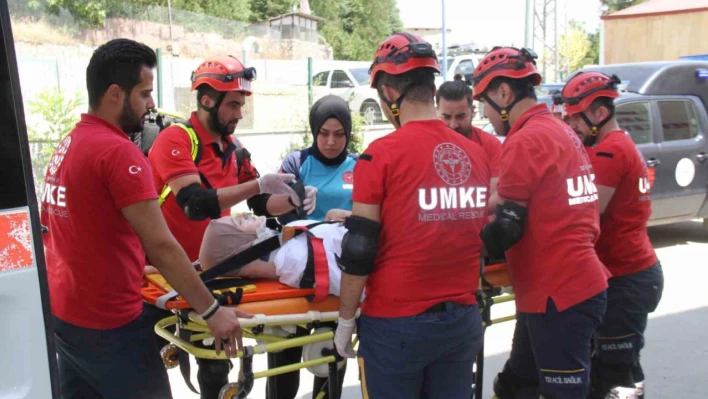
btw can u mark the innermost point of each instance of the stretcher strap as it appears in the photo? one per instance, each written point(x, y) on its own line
point(183, 358)
point(316, 270)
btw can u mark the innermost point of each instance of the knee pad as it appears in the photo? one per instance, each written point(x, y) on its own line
point(508, 385)
point(605, 376)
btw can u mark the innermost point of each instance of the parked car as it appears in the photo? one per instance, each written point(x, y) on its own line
point(352, 84)
point(663, 110)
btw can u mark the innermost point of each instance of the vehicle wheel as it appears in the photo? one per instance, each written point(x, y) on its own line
point(371, 112)
point(232, 390)
point(170, 356)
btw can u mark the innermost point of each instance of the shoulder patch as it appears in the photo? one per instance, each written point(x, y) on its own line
point(606, 154)
point(366, 157)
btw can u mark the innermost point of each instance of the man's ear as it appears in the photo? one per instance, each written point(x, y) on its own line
point(505, 94)
point(390, 93)
point(114, 94)
point(207, 101)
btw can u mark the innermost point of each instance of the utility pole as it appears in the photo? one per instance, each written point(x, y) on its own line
point(444, 43)
point(545, 35)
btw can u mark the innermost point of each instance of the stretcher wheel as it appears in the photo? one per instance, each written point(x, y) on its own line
point(170, 356)
point(233, 390)
point(314, 351)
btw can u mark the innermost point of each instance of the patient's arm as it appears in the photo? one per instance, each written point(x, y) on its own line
point(255, 269)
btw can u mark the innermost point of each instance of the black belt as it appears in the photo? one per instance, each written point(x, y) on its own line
point(440, 307)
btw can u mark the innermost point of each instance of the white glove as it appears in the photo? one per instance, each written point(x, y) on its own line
point(274, 183)
point(310, 199)
point(343, 338)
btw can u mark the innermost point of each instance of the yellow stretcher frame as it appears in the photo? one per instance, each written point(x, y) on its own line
point(253, 328)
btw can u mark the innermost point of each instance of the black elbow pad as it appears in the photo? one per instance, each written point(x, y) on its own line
point(198, 203)
point(506, 230)
point(359, 246)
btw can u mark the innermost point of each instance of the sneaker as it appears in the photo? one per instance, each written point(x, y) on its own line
point(622, 393)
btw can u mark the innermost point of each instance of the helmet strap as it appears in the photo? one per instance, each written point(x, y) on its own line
point(395, 105)
point(214, 115)
point(503, 112)
point(595, 129)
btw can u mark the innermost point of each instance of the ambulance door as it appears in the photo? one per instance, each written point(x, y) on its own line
point(28, 365)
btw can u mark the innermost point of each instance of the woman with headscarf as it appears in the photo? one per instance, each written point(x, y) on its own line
point(329, 167)
point(326, 165)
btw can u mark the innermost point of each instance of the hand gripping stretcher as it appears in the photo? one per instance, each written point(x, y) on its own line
point(277, 310)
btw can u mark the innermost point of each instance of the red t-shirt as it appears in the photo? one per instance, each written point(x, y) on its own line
point(94, 257)
point(544, 164)
point(171, 158)
point(492, 147)
point(433, 186)
point(624, 245)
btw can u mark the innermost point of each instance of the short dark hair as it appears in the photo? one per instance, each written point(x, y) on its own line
point(454, 91)
point(118, 61)
point(522, 88)
point(606, 102)
point(419, 82)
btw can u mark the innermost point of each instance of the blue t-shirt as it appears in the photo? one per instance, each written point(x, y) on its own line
point(334, 183)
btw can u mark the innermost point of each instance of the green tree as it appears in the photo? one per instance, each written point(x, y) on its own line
point(261, 10)
point(593, 55)
point(85, 12)
point(612, 6)
point(574, 47)
point(354, 28)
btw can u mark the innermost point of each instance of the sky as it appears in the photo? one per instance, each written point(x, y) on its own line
point(490, 22)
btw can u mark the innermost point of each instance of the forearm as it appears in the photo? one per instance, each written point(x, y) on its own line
point(352, 288)
point(171, 260)
point(278, 205)
point(230, 196)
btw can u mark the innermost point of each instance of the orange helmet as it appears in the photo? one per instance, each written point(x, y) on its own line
point(507, 62)
point(403, 52)
point(224, 74)
point(583, 88)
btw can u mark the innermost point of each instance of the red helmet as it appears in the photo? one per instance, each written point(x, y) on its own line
point(401, 53)
point(224, 74)
point(583, 88)
point(508, 62)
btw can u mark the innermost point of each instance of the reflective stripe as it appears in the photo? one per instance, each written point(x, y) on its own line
point(194, 139)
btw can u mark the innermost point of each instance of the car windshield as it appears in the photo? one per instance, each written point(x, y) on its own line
point(361, 75)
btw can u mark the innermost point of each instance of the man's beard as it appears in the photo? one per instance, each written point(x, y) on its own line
point(129, 121)
point(465, 131)
point(220, 128)
point(587, 139)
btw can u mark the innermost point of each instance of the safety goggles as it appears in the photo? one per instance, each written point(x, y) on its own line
point(402, 55)
point(525, 55)
point(611, 85)
point(247, 75)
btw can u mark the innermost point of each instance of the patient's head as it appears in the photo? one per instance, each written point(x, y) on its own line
point(229, 235)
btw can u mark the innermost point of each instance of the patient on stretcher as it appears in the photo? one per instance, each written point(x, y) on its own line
point(227, 236)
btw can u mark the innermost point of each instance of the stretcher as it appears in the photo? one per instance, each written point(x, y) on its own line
point(277, 309)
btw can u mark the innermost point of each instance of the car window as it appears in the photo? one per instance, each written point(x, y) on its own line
point(320, 79)
point(464, 67)
point(678, 120)
point(340, 80)
point(635, 118)
point(361, 75)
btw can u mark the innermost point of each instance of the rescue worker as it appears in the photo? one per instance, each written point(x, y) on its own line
point(328, 166)
point(204, 183)
point(456, 108)
point(420, 197)
point(546, 224)
point(102, 214)
point(623, 188)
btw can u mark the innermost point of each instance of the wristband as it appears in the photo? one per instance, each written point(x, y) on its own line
point(211, 311)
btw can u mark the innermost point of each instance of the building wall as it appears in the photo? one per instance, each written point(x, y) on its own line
point(655, 38)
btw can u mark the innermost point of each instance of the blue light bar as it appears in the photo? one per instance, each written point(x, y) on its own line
point(702, 73)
